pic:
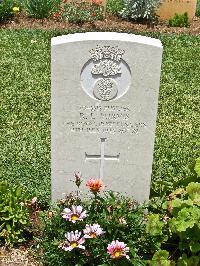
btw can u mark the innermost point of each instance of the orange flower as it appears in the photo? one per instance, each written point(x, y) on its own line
point(95, 185)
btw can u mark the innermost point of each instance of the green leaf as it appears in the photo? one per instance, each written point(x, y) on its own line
point(194, 247)
point(191, 261)
point(154, 225)
point(18, 192)
point(161, 258)
point(165, 205)
point(186, 218)
point(176, 203)
point(8, 227)
point(193, 190)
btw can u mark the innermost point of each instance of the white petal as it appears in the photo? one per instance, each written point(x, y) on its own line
point(81, 241)
point(86, 231)
point(83, 215)
point(68, 236)
point(82, 247)
point(72, 236)
point(67, 210)
point(77, 235)
point(79, 209)
point(74, 209)
point(68, 248)
point(87, 236)
point(128, 258)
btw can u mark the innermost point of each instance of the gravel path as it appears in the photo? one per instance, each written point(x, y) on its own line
point(17, 257)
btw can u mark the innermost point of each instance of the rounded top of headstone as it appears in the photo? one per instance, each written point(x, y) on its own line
point(107, 36)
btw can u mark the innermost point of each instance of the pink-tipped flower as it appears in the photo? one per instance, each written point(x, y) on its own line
point(95, 185)
point(118, 250)
point(74, 214)
point(73, 240)
point(92, 231)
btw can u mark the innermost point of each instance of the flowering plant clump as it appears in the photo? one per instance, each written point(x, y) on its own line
point(104, 229)
point(83, 11)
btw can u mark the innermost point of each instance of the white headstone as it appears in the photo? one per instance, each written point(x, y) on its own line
point(105, 90)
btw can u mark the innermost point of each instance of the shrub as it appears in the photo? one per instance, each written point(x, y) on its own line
point(80, 12)
point(114, 7)
point(86, 232)
point(6, 11)
point(198, 8)
point(41, 8)
point(14, 215)
point(140, 10)
point(179, 223)
point(179, 20)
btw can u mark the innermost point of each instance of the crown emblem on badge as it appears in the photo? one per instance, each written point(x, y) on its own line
point(106, 64)
point(106, 52)
point(106, 76)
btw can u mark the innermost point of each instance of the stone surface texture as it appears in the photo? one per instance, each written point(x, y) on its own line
point(169, 8)
point(105, 89)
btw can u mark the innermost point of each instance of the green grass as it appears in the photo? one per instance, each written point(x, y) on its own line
point(25, 109)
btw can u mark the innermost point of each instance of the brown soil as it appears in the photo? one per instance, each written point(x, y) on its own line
point(20, 21)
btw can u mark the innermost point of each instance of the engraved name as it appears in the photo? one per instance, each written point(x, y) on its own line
point(112, 119)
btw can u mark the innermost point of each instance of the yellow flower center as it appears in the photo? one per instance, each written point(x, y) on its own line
point(117, 254)
point(74, 217)
point(74, 244)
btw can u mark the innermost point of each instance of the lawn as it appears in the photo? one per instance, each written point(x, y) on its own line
point(25, 110)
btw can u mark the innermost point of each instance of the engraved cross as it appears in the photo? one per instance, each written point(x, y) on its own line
point(102, 157)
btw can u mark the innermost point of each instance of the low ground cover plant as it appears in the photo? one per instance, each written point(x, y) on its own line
point(178, 225)
point(179, 20)
point(14, 214)
point(175, 224)
point(82, 11)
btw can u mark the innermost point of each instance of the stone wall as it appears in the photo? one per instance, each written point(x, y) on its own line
point(169, 8)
